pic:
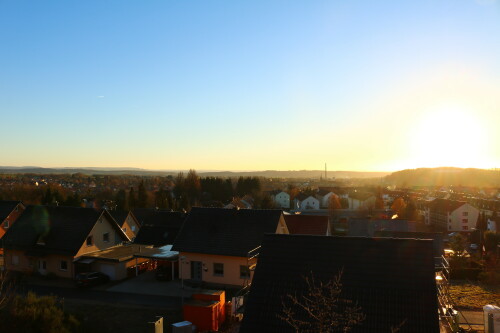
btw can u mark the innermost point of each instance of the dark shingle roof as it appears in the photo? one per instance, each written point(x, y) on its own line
point(445, 205)
point(228, 232)
point(299, 224)
point(391, 280)
point(6, 207)
point(160, 228)
point(62, 229)
point(120, 216)
point(437, 238)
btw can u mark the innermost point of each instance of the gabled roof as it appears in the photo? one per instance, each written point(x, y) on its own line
point(6, 207)
point(61, 229)
point(120, 216)
point(361, 196)
point(160, 228)
point(299, 224)
point(392, 280)
point(143, 214)
point(445, 205)
point(229, 232)
point(322, 192)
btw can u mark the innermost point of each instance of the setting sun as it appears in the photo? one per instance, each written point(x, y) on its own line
point(450, 135)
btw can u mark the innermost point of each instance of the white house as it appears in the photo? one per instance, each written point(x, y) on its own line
point(361, 200)
point(304, 202)
point(452, 215)
point(324, 197)
point(282, 199)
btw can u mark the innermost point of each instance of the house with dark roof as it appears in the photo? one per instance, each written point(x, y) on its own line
point(160, 228)
point(304, 202)
point(127, 222)
point(361, 200)
point(214, 243)
point(50, 239)
point(9, 213)
point(451, 215)
point(299, 224)
point(324, 195)
point(391, 280)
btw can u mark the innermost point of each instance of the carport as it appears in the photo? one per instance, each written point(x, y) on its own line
point(162, 253)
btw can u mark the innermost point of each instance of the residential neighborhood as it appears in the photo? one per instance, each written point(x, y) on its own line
point(234, 267)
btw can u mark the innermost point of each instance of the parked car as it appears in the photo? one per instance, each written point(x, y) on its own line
point(91, 279)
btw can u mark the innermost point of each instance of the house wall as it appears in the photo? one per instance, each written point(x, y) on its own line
point(361, 204)
point(128, 224)
point(282, 228)
point(309, 203)
point(31, 264)
point(464, 218)
point(231, 268)
point(282, 200)
point(325, 199)
point(102, 226)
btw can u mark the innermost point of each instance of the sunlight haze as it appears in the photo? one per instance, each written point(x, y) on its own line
point(257, 85)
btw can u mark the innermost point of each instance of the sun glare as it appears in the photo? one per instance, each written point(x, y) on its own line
point(450, 136)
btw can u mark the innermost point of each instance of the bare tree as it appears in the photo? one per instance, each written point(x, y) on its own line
point(321, 308)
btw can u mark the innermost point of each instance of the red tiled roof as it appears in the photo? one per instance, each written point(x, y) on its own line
point(307, 224)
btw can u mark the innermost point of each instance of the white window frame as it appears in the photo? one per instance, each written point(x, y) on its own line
point(60, 265)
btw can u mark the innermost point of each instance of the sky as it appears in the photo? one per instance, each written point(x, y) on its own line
point(250, 85)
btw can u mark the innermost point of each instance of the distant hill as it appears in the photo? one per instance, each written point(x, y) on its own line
point(307, 174)
point(444, 177)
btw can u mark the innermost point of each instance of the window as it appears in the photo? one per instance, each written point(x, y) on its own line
point(465, 221)
point(124, 230)
point(6, 224)
point(465, 227)
point(15, 260)
point(218, 269)
point(89, 241)
point(133, 228)
point(244, 272)
point(63, 265)
point(105, 237)
point(465, 213)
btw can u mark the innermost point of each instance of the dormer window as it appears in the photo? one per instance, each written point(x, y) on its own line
point(90, 241)
point(6, 224)
point(105, 237)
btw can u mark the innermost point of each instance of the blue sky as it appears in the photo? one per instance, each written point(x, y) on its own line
point(233, 85)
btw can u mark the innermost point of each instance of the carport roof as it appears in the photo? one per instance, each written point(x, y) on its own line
point(121, 253)
point(160, 253)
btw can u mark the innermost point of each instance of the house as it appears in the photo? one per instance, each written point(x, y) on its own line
point(324, 197)
point(361, 200)
point(451, 215)
point(305, 202)
point(391, 280)
point(493, 223)
point(127, 222)
point(9, 213)
point(214, 243)
point(160, 228)
point(281, 199)
point(299, 224)
point(49, 239)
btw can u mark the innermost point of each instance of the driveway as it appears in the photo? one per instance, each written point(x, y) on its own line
point(146, 284)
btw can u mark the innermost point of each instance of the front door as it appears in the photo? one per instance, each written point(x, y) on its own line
point(196, 267)
point(42, 267)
